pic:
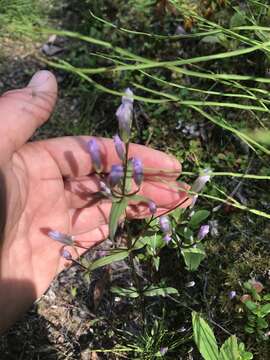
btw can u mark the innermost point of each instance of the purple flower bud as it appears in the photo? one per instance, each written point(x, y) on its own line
point(61, 237)
point(124, 115)
point(204, 230)
point(163, 350)
point(167, 238)
point(180, 30)
point(94, 150)
point(137, 171)
point(232, 294)
point(105, 189)
point(199, 184)
point(116, 174)
point(128, 97)
point(165, 224)
point(152, 207)
point(119, 147)
point(65, 254)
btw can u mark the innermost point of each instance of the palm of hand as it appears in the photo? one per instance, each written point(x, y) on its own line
point(36, 200)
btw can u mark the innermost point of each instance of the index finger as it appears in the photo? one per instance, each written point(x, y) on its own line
point(73, 159)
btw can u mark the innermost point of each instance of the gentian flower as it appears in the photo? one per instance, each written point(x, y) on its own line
point(199, 184)
point(165, 227)
point(163, 350)
point(61, 237)
point(119, 147)
point(137, 171)
point(94, 150)
point(232, 294)
point(152, 207)
point(124, 115)
point(116, 174)
point(65, 254)
point(204, 230)
point(105, 189)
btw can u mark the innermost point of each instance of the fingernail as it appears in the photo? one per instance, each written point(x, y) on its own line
point(40, 78)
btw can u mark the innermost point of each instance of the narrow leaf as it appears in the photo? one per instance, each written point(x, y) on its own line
point(117, 210)
point(204, 338)
point(130, 292)
point(155, 290)
point(117, 255)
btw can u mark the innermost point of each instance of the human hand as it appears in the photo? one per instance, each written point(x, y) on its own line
point(49, 185)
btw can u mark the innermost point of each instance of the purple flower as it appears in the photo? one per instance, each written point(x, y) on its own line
point(128, 97)
point(119, 147)
point(137, 171)
point(105, 189)
point(65, 254)
point(232, 294)
point(94, 150)
point(163, 350)
point(116, 174)
point(180, 30)
point(204, 230)
point(152, 207)
point(124, 115)
point(61, 237)
point(199, 184)
point(167, 238)
point(165, 224)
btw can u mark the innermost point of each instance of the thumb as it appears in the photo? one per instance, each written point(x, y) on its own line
point(22, 111)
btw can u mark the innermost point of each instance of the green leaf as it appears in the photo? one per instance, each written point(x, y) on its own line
point(130, 292)
point(204, 338)
point(229, 350)
point(244, 355)
point(116, 255)
point(238, 19)
point(252, 306)
point(176, 214)
point(156, 290)
point(193, 257)
point(198, 218)
point(128, 185)
point(249, 329)
point(139, 198)
point(211, 39)
point(265, 309)
point(117, 210)
point(266, 297)
point(262, 323)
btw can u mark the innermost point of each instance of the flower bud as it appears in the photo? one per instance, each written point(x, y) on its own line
point(124, 115)
point(165, 224)
point(232, 294)
point(137, 171)
point(167, 238)
point(204, 230)
point(119, 147)
point(61, 237)
point(128, 97)
point(116, 174)
point(199, 184)
point(65, 254)
point(94, 150)
point(152, 207)
point(105, 189)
